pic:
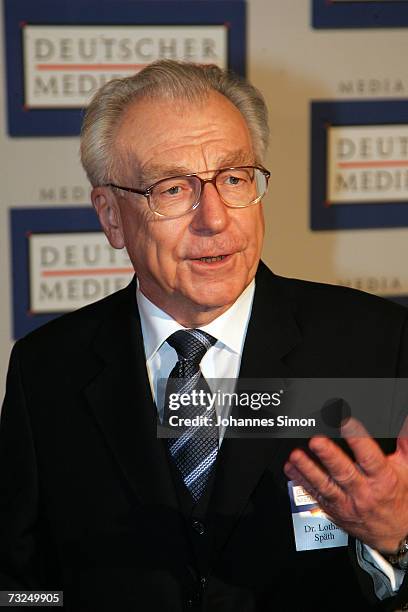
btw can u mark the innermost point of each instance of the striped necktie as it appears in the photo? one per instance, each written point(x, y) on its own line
point(195, 451)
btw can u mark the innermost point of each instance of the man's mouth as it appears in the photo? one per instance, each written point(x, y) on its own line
point(211, 259)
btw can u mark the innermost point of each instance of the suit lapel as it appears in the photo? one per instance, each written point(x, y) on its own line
point(272, 334)
point(120, 400)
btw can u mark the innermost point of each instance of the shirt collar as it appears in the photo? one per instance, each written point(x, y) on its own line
point(229, 328)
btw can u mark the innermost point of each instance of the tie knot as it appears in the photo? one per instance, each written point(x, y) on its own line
point(191, 344)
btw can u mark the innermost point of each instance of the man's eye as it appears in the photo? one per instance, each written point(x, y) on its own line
point(174, 190)
point(171, 190)
point(234, 180)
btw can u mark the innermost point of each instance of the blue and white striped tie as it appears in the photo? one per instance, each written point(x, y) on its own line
point(195, 451)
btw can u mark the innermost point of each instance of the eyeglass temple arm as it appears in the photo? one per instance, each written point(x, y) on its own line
point(132, 190)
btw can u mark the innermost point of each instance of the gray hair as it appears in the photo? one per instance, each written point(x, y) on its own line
point(165, 79)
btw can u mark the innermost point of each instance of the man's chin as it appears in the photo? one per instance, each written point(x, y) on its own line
point(216, 296)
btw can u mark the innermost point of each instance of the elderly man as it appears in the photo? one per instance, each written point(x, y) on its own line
point(92, 501)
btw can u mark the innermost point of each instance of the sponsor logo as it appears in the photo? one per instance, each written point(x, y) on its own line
point(65, 65)
point(301, 497)
point(379, 285)
point(367, 164)
point(64, 193)
point(70, 270)
point(381, 86)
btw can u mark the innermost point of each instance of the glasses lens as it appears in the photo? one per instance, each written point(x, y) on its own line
point(175, 196)
point(241, 186)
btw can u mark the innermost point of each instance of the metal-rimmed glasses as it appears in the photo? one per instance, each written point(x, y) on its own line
point(175, 196)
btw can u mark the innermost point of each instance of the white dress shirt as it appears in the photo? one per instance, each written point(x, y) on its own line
point(223, 361)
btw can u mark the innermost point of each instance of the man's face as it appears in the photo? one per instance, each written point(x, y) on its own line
point(165, 139)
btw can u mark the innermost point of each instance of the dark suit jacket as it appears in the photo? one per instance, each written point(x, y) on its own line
point(90, 504)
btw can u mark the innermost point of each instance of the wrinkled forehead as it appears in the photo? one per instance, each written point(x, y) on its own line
point(153, 133)
point(149, 173)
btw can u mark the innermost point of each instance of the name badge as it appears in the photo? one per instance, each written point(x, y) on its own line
point(313, 529)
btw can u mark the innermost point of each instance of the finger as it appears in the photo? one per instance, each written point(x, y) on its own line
point(339, 466)
point(367, 453)
point(293, 474)
point(319, 480)
point(298, 479)
point(402, 442)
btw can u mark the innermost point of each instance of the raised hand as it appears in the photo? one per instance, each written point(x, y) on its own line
point(367, 498)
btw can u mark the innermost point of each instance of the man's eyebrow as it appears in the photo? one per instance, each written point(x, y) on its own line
point(154, 172)
point(151, 174)
point(241, 157)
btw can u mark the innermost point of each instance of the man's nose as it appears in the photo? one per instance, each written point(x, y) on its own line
point(211, 215)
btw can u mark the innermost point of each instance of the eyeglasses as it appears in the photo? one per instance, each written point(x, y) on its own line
point(176, 196)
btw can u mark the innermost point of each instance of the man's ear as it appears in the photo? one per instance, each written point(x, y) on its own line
point(107, 209)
